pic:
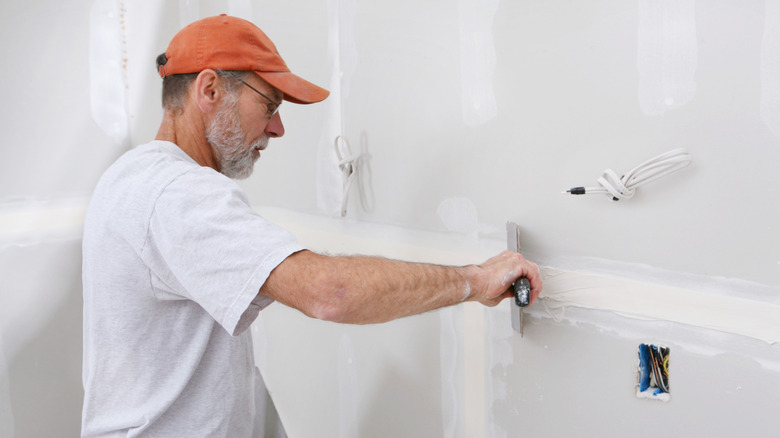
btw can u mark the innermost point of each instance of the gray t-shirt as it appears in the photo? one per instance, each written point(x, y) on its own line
point(173, 259)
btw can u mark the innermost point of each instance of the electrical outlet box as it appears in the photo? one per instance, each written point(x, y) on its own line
point(653, 379)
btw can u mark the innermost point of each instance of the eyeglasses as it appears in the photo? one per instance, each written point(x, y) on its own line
point(272, 106)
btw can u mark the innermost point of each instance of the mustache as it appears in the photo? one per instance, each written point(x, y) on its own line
point(260, 144)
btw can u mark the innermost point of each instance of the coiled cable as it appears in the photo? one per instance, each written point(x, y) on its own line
point(623, 187)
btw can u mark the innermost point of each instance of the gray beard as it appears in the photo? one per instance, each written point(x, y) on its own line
point(236, 159)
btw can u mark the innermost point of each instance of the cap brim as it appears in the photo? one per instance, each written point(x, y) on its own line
point(295, 88)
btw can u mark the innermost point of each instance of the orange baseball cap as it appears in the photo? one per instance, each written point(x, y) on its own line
point(230, 43)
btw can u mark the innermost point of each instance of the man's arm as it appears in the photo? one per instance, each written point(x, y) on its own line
point(365, 290)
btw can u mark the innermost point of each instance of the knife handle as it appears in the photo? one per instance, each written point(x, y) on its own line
point(522, 288)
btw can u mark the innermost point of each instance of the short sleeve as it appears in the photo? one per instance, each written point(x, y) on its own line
point(206, 244)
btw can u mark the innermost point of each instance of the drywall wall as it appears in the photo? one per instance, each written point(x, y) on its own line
point(41, 335)
point(475, 113)
point(53, 154)
point(558, 93)
point(573, 373)
point(578, 377)
point(572, 86)
point(74, 102)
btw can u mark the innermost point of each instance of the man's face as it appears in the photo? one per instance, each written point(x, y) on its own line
point(237, 149)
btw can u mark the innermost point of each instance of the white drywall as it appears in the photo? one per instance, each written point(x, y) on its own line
point(580, 87)
point(574, 373)
point(569, 83)
point(578, 377)
point(54, 151)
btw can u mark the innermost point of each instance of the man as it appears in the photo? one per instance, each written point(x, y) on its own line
point(177, 265)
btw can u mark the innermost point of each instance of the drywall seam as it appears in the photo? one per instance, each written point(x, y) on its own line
point(334, 236)
point(477, 60)
point(342, 57)
point(770, 67)
point(240, 8)
point(6, 414)
point(348, 389)
point(500, 356)
point(328, 177)
point(449, 372)
point(348, 54)
point(108, 68)
point(730, 314)
point(32, 221)
point(189, 11)
point(667, 54)
point(692, 339)
point(474, 370)
point(641, 299)
point(717, 285)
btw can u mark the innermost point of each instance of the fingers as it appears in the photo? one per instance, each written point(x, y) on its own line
point(505, 269)
point(535, 279)
point(529, 270)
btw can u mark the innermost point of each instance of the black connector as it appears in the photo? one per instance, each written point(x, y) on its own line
point(576, 190)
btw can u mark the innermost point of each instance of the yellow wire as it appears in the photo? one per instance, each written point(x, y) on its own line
point(666, 364)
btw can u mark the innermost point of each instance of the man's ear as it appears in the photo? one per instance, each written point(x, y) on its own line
point(207, 90)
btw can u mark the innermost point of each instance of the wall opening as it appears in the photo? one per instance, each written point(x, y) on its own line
point(653, 381)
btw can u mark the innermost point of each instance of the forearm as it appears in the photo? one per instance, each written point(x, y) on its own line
point(363, 290)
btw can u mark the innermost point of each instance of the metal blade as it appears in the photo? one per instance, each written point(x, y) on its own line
point(513, 244)
point(522, 322)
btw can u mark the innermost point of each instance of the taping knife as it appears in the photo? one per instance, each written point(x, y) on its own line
point(521, 287)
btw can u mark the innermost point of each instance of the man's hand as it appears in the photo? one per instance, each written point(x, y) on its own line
point(493, 279)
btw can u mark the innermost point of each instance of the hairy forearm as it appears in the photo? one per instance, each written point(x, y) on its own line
point(363, 290)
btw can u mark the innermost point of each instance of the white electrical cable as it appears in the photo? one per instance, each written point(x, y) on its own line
point(348, 166)
point(623, 187)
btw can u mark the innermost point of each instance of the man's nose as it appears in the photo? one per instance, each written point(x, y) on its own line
point(275, 128)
